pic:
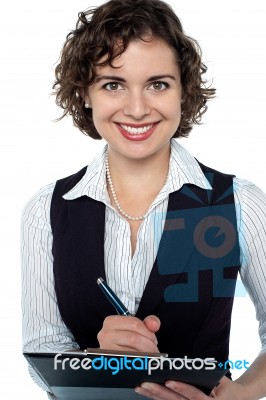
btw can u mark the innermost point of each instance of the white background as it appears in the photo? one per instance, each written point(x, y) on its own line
point(36, 151)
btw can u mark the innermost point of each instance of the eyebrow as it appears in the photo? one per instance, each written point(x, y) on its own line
point(109, 78)
point(159, 77)
point(119, 79)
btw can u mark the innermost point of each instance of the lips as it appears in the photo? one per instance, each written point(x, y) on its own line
point(137, 132)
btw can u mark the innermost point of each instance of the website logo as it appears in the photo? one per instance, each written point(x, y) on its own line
point(117, 364)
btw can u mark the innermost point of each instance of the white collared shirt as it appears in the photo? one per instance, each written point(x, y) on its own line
point(125, 274)
point(43, 328)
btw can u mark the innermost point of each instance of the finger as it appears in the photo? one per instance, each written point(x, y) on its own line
point(129, 333)
point(152, 322)
point(158, 392)
point(221, 387)
point(146, 393)
point(129, 323)
point(126, 340)
point(187, 391)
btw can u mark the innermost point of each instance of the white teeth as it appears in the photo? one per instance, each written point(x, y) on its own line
point(136, 131)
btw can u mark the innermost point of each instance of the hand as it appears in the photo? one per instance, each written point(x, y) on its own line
point(129, 333)
point(226, 390)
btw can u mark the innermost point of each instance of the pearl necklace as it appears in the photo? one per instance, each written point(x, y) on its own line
point(120, 209)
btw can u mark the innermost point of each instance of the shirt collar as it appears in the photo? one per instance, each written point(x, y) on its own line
point(183, 168)
point(93, 183)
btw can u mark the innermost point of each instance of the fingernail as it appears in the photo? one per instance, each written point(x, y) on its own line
point(138, 390)
point(147, 385)
point(170, 385)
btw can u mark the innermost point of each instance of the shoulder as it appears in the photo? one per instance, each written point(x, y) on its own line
point(250, 203)
point(63, 185)
point(207, 170)
point(37, 210)
point(247, 193)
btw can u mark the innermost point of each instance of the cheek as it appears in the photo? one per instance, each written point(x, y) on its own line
point(173, 114)
point(171, 106)
point(102, 118)
point(103, 110)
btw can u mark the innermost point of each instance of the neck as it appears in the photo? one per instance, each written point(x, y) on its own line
point(132, 175)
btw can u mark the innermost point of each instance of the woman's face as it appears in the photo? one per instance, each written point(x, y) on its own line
point(136, 107)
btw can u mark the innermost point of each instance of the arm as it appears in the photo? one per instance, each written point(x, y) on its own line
point(252, 235)
point(251, 218)
point(250, 386)
point(43, 328)
point(253, 380)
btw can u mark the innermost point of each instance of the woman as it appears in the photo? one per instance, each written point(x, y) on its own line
point(138, 214)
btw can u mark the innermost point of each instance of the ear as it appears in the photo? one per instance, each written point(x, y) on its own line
point(84, 94)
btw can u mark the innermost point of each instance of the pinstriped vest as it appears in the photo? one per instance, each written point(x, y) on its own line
point(192, 283)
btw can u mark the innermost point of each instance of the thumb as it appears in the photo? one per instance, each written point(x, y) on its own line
point(152, 323)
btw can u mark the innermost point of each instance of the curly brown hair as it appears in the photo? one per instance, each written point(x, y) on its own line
point(98, 30)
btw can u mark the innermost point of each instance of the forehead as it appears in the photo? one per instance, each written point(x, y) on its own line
point(142, 55)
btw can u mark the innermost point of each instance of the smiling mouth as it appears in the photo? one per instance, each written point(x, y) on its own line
point(136, 130)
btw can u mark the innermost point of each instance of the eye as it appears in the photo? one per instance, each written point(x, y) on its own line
point(159, 86)
point(112, 86)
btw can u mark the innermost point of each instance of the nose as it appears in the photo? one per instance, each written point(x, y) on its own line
point(137, 106)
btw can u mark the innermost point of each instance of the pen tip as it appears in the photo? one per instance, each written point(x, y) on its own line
point(99, 280)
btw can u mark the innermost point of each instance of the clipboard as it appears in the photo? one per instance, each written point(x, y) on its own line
point(97, 374)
